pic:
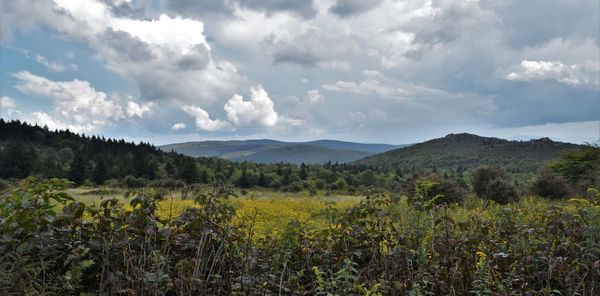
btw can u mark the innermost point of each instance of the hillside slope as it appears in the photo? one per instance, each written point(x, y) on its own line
point(465, 151)
point(303, 154)
point(223, 149)
point(271, 151)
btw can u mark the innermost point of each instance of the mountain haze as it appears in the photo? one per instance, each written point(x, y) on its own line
point(272, 151)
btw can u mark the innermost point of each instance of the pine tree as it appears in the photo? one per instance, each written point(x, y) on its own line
point(188, 171)
point(77, 170)
point(262, 180)
point(18, 161)
point(243, 180)
point(303, 174)
point(99, 172)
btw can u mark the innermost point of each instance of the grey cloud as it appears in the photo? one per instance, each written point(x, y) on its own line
point(534, 22)
point(295, 56)
point(302, 8)
point(127, 46)
point(126, 9)
point(193, 8)
point(346, 8)
point(196, 59)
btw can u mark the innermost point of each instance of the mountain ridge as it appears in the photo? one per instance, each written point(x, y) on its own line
point(257, 150)
point(466, 151)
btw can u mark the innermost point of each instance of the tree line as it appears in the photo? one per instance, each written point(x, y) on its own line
point(91, 160)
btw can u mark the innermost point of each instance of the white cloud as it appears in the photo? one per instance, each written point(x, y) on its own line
point(50, 65)
point(203, 120)
point(258, 111)
point(77, 105)
point(43, 118)
point(446, 59)
point(167, 57)
point(367, 87)
point(313, 97)
point(135, 109)
point(7, 103)
point(574, 75)
point(178, 126)
point(336, 65)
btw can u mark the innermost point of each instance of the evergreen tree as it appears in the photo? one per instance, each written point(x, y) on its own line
point(262, 180)
point(170, 169)
point(18, 161)
point(303, 173)
point(243, 180)
point(99, 172)
point(77, 169)
point(139, 165)
point(188, 171)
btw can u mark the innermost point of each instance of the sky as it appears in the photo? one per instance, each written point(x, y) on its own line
point(385, 71)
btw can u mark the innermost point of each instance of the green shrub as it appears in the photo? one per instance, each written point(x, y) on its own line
point(133, 182)
point(549, 184)
point(492, 183)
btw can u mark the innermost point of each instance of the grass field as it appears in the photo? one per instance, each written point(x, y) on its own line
point(267, 211)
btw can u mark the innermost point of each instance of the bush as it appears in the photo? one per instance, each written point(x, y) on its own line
point(3, 185)
point(448, 189)
point(549, 184)
point(580, 167)
point(492, 183)
point(133, 182)
point(275, 184)
point(293, 187)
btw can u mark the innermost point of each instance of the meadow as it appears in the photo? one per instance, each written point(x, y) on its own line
point(269, 210)
point(61, 241)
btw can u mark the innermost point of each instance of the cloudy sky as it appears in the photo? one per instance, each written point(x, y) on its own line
point(373, 71)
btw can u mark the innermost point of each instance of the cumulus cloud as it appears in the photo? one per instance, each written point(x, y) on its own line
point(7, 103)
point(178, 126)
point(574, 75)
point(167, 57)
point(203, 120)
point(76, 104)
point(258, 111)
point(313, 97)
point(454, 60)
point(135, 109)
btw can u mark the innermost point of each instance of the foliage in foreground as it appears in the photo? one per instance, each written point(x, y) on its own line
point(390, 246)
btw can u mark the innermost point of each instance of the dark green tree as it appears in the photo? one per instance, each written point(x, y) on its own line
point(490, 182)
point(188, 171)
point(303, 174)
point(18, 161)
point(99, 175)
point(77, 169)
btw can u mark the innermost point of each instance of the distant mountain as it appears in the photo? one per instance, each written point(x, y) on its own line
point(369, 148)
point(271, 151)
point(223, 149)
point(466, 151)
point(299, 153)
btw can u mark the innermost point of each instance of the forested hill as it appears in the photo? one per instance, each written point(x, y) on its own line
point(33, 150)
point(465, 151)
